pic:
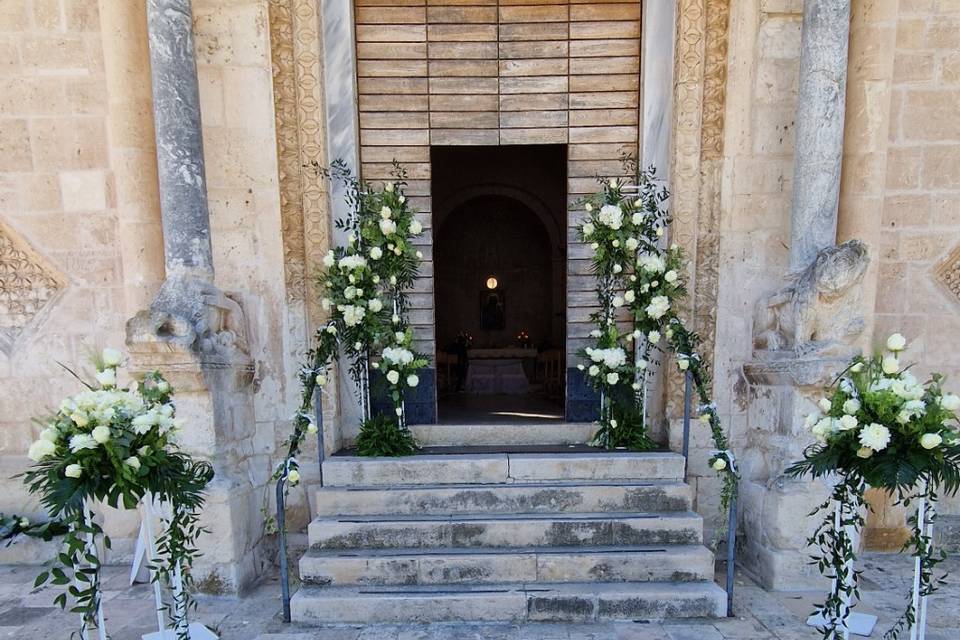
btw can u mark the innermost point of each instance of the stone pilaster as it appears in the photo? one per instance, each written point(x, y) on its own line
point(193, 332)
point(819, 129)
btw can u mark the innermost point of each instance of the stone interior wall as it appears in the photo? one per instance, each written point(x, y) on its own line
point(61, 247)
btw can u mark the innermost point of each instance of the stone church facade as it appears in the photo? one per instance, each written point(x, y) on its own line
point(103, 242)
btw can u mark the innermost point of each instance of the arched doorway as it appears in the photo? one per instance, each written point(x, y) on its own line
point(499, 285)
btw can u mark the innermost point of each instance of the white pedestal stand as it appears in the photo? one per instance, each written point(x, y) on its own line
point(919, 629)
point(195, 631)
point(91, 549)
point(860, 624)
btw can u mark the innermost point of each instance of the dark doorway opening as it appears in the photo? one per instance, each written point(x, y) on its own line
point(500, 236)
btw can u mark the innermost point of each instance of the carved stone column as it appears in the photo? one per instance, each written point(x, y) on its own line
point(820, 115)
point(193, 332)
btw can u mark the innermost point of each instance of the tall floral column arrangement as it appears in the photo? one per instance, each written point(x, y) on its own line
point(117, 445)
point(879, 426)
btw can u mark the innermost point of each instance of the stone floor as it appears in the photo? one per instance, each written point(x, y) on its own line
point(524, 408)
point(27, 614)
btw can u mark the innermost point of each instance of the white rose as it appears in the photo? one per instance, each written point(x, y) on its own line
point(705, 418)
point(393, 377)
point(890, 365)
point(613, 423)
point(617, 301)
point(642, 364)
point(632, 244)
point(133, 462)
point(376, 253)
point(876, 436)
point(50, 433)
point(587, 229)
point(719, 464)
point(402, 199)
point(637, 217)
point(312, 427)
point(824, 404)
point(412, 380)
point(896, 342)
point(659, 232)
point(142, 451)
point(385, 213)
point(595, 245)
point(653, 337)
point(41, 449)
point(930, 440)
point(683, 364)
point(399, 411)
point(588, 207)
point(864, 452)
point(329, 260)
point(107, 377)
point(293, 477)
point(616, 244)
point(613, 378)
point(581, 367)
point(658, 307)
point(325, 303)
point(593, 370)
point(101, 434)
point(321, 379)
point(388, 227)
point(950, 402)
point(857, 368)
point(617, 268)
point(595, 333)
point(395, 319)
point(400, 337)
point(630, 296)
point(73, 471)
point(415, 227)
point(851, 406)
point(848, 422)
point(670, 276)
point(419, 255)
point(613, 182)
point(611, 215)
point(375, 305)
point(811, 419)
point(332, 329)
point(111, 357)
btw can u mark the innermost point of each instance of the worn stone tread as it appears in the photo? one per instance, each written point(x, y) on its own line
point(572, 602)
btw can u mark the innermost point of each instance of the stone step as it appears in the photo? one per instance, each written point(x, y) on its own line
point(509, 603)
point(533, 530)
point(465, 435)
point(537, 497)
point(501, 468)
point(681, 563)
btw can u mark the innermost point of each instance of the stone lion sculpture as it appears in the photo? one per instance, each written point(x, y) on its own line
point(821, 313)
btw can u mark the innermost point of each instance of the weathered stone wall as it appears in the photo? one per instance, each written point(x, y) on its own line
point(61, 234)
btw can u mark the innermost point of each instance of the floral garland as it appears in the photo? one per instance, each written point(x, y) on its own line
point(880, 427)
point(118, 446)
point(13, 525)
point(364, 286)
point(640, 279)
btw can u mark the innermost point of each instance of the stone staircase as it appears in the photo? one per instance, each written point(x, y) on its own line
point(506, 537)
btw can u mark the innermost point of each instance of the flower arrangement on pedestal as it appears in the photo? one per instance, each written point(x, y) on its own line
point(640, 288)
point(116, 445)
point(365, 286)
point(880, 427)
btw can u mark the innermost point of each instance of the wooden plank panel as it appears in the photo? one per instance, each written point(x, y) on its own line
point(462, 15)
point(387, 68)
point(390, 3)
point(603, 134)
point(463, 119)
point(603, 117)
point(462, 32)
point(581, 186)
point(388, 50)
point(390, 15)
point(551, 84)
point(462, 68)
point(391, 33)
point(541, 101)
point(621, 82)
point(605, 100)
point(534, 67)
point(535, 49)
point(596, 151)
point(591, 168)
point(604, 48)
point(545, 13)
point(463, 85)
point(534, 136)
point(605, 29)
point(528, 119)
point(463, 102)
point(389, 137)
point(392, 103)
point(464, 136)
point(462, 50)
point(446, 3)
point(534, 31)
point(400, 154)
point(629, 64)
point(392, 85)
point(395, 120)
point(595, 12)
point(383, 171)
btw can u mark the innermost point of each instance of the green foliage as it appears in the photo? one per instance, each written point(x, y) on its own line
point(383, 436)
point(625, 429)
point(14, 525)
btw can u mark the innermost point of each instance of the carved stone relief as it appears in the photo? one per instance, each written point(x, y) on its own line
point(948, 272)
point(28, 286)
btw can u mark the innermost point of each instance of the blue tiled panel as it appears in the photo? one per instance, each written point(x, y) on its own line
point(421, 402)
point(583, 401)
